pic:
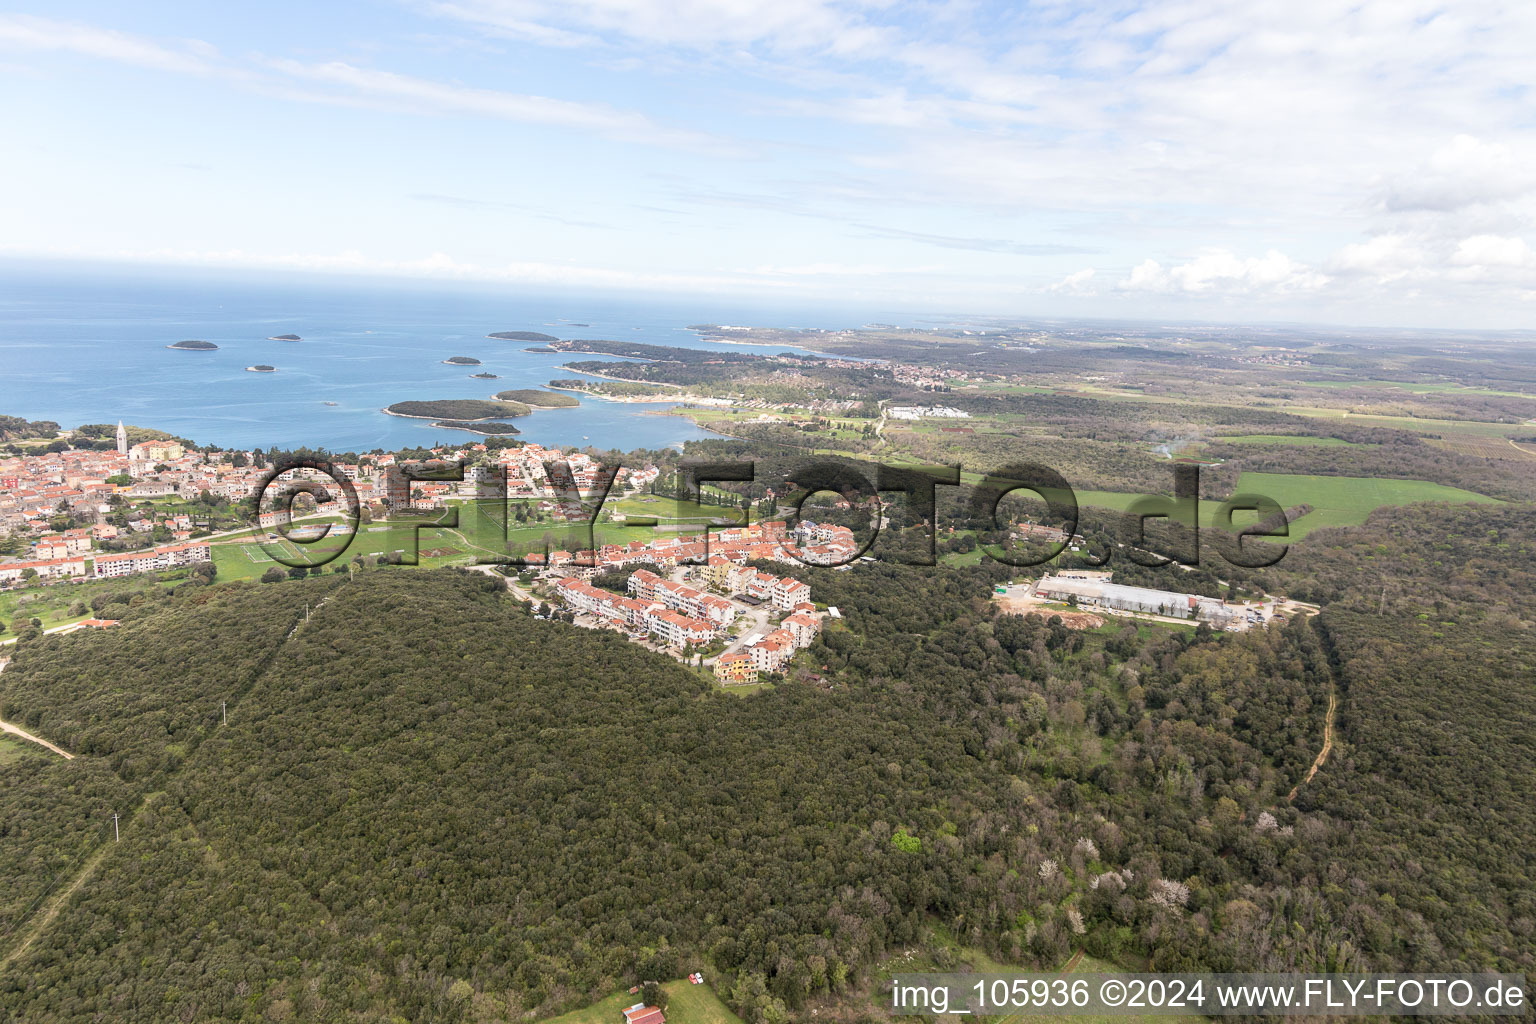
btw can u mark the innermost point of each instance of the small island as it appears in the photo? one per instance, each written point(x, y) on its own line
point(538, 399)
point(261, 368)
point(478, 427)
point(485, 376)
point(540, 348)
point(467, 409)
point(522, 336)
point(194, 346)
point(462, 361)
point(285, 337)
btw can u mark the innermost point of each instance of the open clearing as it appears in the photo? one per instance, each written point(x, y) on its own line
point(686, 1004)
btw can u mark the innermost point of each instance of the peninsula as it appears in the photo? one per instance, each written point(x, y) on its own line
point(537, 399)
point(489, 429)
point(522, 336)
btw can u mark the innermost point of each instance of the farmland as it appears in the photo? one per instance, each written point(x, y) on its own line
point(1335, 500)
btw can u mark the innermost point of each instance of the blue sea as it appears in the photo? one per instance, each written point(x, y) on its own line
point(88, 345)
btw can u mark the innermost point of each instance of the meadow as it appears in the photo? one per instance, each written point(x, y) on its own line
point(686, 1004)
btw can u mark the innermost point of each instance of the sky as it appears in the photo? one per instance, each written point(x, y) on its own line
point(1227, 160)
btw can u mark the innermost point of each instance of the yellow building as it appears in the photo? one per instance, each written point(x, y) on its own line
point(735, 667)
point(156, 451)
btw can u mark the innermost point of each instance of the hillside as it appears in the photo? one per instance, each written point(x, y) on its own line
point(428, 804)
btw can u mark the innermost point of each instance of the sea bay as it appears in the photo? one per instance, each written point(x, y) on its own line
point(92, 349)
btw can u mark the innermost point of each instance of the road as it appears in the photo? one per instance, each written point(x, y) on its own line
point(1322, 755)
point(16, 731)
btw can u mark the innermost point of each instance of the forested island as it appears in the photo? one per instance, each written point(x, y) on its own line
point(194, 346)
point(459, 409)
point(285, 337)
point(14, 428)
point(538, 399)
point(462, 361)
point(261, 368)
point(522, 336)
point(487, 427)
point(485, 376)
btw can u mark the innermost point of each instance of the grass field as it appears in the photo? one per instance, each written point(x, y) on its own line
point(479, 534)
point(1470, 428)
point(686, 1004)
point(1335, 500)
point(13, 750)
point(1413, 388)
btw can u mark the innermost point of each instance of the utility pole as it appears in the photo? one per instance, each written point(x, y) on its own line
point(224, 709)
point(117, 836)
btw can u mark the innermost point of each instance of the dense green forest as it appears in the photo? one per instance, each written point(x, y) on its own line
point(460, 409)
point(428, 805)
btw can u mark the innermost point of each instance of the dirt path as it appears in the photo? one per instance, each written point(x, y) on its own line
point(37, 924)
point(17, 731)
point(1322, 755)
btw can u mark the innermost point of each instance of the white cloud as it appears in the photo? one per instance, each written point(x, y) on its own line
point(1222, 272)
point(343, 83)
point(423, 95)
point(1493, 251)
point(1075, 283)
point(27, 32)
point(797, 24)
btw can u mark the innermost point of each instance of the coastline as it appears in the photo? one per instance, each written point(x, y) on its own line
point(532, 405)
point(620, 380)
point(442, 425)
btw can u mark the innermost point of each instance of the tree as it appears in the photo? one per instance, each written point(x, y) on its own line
point(273, 575)
point(652, 994)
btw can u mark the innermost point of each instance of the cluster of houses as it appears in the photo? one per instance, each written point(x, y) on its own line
point(36, 488)
point(683, 616)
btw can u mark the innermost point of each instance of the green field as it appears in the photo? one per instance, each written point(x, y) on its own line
point(1335, 500)
point(13, 750)
point(1437, 388)
point(478, 535)
point(1473, 428)
point(686, 1004)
